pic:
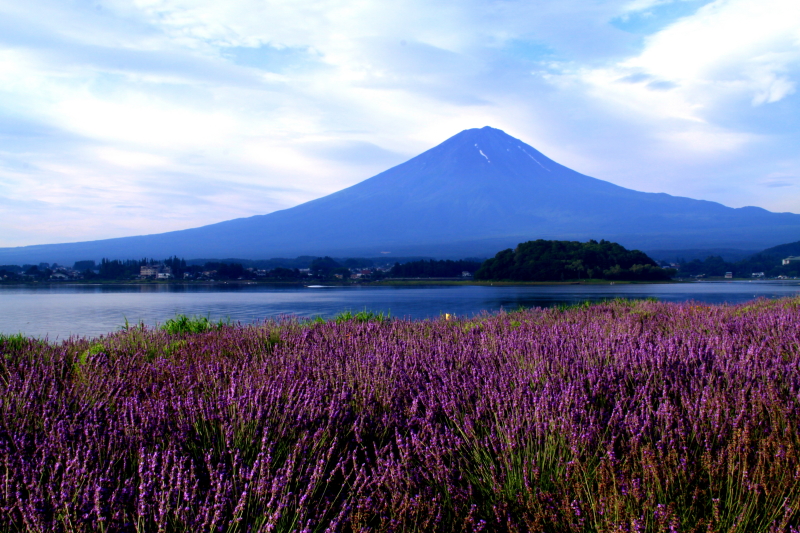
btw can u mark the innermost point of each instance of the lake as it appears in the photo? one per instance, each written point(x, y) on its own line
point(58, 311)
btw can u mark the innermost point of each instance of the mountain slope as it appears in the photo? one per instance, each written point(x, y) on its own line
point(781, 251)
point(477, 192)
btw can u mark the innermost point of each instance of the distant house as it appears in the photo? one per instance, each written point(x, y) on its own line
point(790, 259)
point(159, 271)
point(757, 274)
point(466, 274)
point(728, 275)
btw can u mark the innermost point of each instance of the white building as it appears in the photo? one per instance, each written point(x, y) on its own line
point(155, 271)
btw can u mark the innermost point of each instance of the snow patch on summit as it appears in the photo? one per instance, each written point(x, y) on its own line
point(537, 162)
point(484, 155)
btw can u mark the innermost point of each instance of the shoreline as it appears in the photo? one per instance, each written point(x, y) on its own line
point(377, 283)
point(374, 283)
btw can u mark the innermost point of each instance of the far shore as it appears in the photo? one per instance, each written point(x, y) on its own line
point(355, 283)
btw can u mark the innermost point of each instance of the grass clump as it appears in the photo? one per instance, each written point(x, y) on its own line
point(361, 316)
point(13, 342)
point(94, 349)
point(182, 324)
point(564, 308)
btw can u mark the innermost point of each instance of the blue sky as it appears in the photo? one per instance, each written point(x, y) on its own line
point(134, 117)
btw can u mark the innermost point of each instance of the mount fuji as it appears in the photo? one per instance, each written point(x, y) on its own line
point(476, 193)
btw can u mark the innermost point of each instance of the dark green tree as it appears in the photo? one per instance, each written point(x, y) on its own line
point(82, 266)
point(434, 269)
point(322, 267)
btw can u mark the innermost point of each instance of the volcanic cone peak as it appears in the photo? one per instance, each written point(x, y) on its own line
point(479, 148)
point(478, 192)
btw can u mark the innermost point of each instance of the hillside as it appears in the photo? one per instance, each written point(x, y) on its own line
point(782, 250)
point(767, 262)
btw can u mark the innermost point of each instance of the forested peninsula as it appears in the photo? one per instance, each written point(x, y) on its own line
point(543, 260)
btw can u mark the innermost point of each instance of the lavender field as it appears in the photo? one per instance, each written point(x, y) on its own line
point(617, 417)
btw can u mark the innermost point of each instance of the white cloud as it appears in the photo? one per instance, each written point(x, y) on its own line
point(129, 159)
point(726, 42)
point(643, 5)
point(772, 88)
point(727, 53)
point(706, 140)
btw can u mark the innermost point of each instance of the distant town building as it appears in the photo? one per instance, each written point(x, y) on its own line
point(159, 271)
point(790, 259)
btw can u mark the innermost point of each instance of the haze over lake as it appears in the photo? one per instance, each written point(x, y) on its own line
point(58, 311)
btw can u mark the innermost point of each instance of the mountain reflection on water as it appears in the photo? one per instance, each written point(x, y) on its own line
point(58, 311)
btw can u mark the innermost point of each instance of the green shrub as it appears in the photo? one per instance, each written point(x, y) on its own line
point(586, 304)
point(13, 342)
point(183, 324)
point(94, 349)
point(361, 316)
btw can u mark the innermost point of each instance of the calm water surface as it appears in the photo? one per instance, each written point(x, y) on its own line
point(58, 311)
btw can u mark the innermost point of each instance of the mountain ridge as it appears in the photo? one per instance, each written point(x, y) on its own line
point(479, 191)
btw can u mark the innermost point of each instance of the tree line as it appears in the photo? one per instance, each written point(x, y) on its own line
point(434, 269)
point(116, 269)
point(539, 260)
point(716, 266)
